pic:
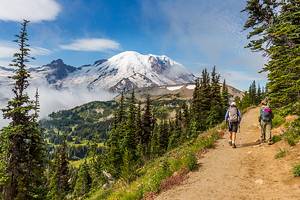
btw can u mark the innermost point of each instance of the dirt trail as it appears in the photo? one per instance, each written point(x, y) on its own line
point(248, 172)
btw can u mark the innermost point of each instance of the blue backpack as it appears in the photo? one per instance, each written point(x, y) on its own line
point(266, 114)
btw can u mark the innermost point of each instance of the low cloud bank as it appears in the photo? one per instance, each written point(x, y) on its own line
point(52, 100)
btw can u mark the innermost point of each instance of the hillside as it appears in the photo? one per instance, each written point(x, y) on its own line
point(253, 169)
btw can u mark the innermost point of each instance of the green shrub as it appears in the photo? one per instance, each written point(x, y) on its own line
point(190, 161)
point(281, 153)
point(292, 135)
point(296, 170)
point(276, 138)
point(277, 120)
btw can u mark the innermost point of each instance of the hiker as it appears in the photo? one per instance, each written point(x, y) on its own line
point(265, 120)
point(233, 117)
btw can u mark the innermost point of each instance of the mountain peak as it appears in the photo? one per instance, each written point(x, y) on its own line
point(57, 62)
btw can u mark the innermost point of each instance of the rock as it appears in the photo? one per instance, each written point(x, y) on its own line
point(259, 181)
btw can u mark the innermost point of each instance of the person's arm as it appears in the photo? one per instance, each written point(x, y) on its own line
point(240, 116)
point(259, 118)
point(226, 115)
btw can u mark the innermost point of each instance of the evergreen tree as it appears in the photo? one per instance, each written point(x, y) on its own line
point(284, 67)
point(216, 109)
point(274, 29)
point(205, 101)
point(147, 124)
point(258, 95)
point(22, 147)
point(225, 96)
point(83, 181)
point(129, 140)
point(155, 141)
point(59, 185)
point(121, 110)
point(163, 136)
point(128, 167)
point(114, 154)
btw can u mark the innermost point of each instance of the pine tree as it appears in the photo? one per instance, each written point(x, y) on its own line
point(258, 95)
point(22, 146)
point(121, 110)
point(83, 181)
point(274, 29)
point(216, 109)
point(155, 143)
point(205, 101)
point(59, 185)
point(225, 96)
point(128, 167)
point(114, 154)
point(164, 134)
point(129, 140)
point(147, 124)
point(284, 67)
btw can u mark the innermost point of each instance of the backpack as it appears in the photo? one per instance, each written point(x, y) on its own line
point(233, 114)
point(266, 114)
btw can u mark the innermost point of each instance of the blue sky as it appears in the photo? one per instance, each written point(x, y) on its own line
point(196, 33)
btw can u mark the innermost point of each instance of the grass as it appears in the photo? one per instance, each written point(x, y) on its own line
point(156, 171)
point(276, 138)
point(292, 135)
point(296, 170)
point(281, 153)
point(277, 120)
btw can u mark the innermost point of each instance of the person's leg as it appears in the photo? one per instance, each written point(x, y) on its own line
point(268, 128)
point(234, 131)
point(230, 138)
point(263, 131)
point(233, 139)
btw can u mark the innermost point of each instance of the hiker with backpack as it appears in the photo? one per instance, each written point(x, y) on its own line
point(265, 120)
point(233, 117)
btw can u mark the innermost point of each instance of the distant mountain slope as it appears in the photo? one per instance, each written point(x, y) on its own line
point(123, 71)
point(181, 91)
point(130, 70)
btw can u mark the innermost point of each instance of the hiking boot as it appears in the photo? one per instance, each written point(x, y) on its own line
point(270, 142)
point(233, 146)
point(230, 143)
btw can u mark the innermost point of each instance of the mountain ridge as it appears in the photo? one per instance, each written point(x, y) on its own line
point(124, 71)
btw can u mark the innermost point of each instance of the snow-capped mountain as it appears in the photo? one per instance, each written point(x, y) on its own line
point(124, 71)
point(129, 70)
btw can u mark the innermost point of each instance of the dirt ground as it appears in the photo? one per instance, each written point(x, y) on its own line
point(248, 172)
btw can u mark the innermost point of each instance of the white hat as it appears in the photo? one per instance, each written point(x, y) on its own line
point(233, 103)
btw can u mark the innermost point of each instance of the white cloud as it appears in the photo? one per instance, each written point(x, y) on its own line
point(33, 10)
point(92, 44)
point(52, 100)
point(7, 49)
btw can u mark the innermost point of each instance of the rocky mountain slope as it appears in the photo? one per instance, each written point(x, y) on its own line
point(124, 71)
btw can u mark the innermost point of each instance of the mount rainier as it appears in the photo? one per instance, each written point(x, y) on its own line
point(123, 71)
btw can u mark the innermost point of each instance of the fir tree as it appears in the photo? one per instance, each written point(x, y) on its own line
point(128, 167)
point(216, 109)
point(59, 185)
point(129, 140)
point(83, 181)
point(274, 29)
point(22, 146)
point(155, 143)
point(225, 96)
point(163, 136)
point(147, 124)
point(114, 154)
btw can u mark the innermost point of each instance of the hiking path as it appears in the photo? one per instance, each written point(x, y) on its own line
point(248, 172)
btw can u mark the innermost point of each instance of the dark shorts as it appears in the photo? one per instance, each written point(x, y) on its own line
point(233, 127)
